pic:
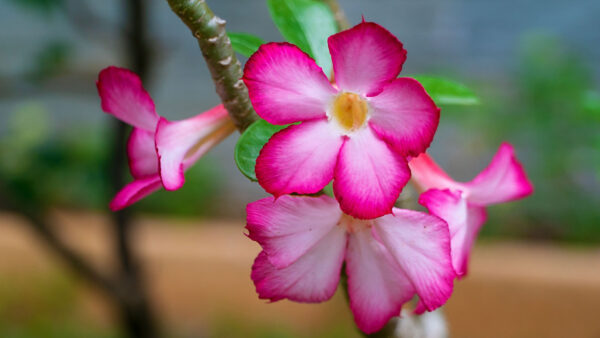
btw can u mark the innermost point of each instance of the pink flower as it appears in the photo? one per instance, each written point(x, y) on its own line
point(357, 132)
point(462, 205)
point(159, 150)
point(306, 240)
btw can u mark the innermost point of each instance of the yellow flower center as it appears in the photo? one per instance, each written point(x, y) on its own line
point(350, 111)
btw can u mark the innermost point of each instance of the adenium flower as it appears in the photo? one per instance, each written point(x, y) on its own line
point(357, 131)
point(159, 150)
point(306, 240)
point(462, 205)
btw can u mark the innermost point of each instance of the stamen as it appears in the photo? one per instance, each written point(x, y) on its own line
point(350, 111)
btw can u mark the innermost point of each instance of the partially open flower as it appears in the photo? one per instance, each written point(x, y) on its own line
point(306, 240)
point(462, 205)
point(159, 151)
point(357, 131)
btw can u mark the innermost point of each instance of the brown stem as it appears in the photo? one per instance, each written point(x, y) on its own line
point(220, 59)
point(338, 13)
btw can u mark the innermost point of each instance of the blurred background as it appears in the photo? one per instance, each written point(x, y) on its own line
point(533, 64)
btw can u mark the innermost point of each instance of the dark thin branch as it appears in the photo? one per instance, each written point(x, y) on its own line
point(74, 260)
point(216, 48)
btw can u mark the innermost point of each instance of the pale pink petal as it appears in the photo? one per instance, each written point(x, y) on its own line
point(299, 159)
point(426, 174)
point(405, 116)
point(464, 222)
point(141, 153)
point(312, 278)
point(503, 180)
point(123, 96)
point(365, 57)
point(369, 176)
point(135, 191)
point(377, 287)
point(420, 244)
point(285, 85)
point(180, 143)
point(287, 227)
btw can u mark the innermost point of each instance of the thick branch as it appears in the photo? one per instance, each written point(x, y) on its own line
point(216, 48)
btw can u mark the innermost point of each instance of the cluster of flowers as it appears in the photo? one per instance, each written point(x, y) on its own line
point(367, 131)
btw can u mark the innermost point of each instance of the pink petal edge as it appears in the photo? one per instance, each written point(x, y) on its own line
point(285, 85)
point(123, 96)
point(365, 57)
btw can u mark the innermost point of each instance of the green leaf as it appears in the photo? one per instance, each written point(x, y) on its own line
point(245, 44)
point(250, 143)
point(307, 24)
point(447, 92)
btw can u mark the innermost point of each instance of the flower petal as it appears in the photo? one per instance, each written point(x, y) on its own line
point(141, 153)
point(123, 96)
point(463, 221)
point(285, 85)
point(179, 144)
point(369, 176)
point(312, 278)
point(405, 116)
point(503, 180)
point(377, 287)
point(426, 174)
point(289, 226)
point(365, 57)
point(299, 159)
point(135, 191)
point(420, 244)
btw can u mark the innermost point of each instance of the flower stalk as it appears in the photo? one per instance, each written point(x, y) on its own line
point(220, 58)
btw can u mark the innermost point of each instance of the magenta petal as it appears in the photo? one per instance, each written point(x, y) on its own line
point(369, 176)
point(405, 116)
point(420, 245)
point(463, 221)
point(299, 159)
point(135, 191)
point(289, 226)
point(123, 96)
point(285, 85)
point(312, 278)
point(376, 286)
point(426, 174)
point(503, 180)
point(365, 57)
point(141, 153)
point(180, 143)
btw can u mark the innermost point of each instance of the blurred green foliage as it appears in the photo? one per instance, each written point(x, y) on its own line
point(550, 112)
point(70, 169)
point(44, 307)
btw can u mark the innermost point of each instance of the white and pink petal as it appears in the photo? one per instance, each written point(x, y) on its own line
point(180, 143)
point(299, 159)
point(285, 85)
point(124, 97)
point(503, 180)
point(369, 176)
point(311, 278)
point(135, 191)
point(452, 207)
point(426, 174)
point(141, 153)
point(405, 116)
point(377, 287)
point(420, 245)
point(365, 57)
point(289, 226)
